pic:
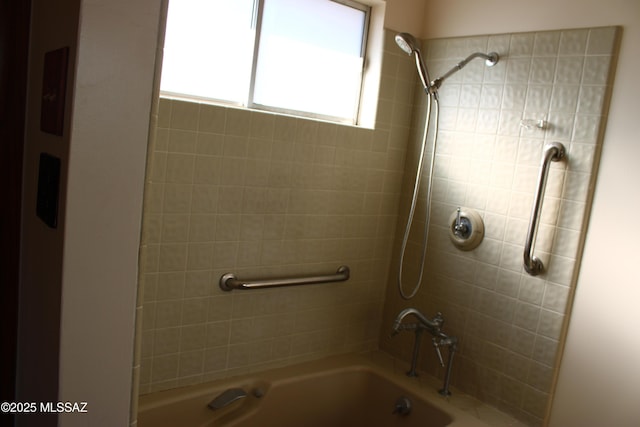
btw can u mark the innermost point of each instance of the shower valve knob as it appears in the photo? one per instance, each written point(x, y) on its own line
point(461, 228)
point(466, 229)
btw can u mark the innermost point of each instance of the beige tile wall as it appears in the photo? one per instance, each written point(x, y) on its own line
point(265, 195)
point(509, 324)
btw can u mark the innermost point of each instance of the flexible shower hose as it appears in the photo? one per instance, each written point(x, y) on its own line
point(414, 200)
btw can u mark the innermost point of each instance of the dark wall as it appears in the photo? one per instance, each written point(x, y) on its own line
point(14, 43)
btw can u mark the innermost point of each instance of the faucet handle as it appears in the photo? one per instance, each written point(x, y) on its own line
point(436, 345)
point(461, 228)
point(438, 319)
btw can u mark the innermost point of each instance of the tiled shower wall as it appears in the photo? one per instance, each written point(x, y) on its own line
point(510, 324)
point(264, 196)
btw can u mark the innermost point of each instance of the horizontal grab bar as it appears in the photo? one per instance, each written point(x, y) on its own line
point(229, 281)
point(553, 152)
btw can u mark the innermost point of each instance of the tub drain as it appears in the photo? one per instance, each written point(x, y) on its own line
point(402, 406)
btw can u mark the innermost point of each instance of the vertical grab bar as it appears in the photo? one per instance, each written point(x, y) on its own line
point(553, 152)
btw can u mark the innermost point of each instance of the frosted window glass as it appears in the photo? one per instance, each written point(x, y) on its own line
point(310, 57)
point(208, 49)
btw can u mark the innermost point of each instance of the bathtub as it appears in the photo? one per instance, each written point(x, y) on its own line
point(339, 391)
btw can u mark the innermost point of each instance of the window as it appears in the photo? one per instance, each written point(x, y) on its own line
point(302, 56)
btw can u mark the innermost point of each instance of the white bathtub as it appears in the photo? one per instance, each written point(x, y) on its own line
point(339, 391)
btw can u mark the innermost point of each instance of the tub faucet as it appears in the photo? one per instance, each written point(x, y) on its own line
point(440, 339)
point(433, 325)
point(227, 397)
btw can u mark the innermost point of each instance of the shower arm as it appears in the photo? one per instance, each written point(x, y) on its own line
point(491, 59)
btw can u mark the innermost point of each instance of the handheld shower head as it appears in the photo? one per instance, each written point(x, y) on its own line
point(407, 42)
point(409, 45)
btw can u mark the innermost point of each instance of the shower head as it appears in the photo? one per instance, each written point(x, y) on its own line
point(409, 45)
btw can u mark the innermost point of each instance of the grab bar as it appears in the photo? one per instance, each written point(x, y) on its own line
point(229, 281)
point(553, 152)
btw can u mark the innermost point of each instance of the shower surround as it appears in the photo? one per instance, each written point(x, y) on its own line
point(510, 324)
point(263, 195)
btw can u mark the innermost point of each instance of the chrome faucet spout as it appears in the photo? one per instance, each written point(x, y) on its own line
point(433, 325)
point(227, 397)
